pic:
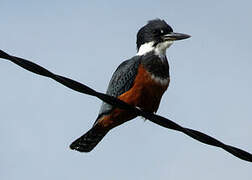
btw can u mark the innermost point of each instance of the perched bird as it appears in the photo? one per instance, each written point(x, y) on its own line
point(139, 81)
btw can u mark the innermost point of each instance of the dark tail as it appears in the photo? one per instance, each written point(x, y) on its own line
point(88, 141)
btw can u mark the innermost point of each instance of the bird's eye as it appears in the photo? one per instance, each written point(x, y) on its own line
point(159, 32)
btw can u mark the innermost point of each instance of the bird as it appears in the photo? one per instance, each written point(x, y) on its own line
point(140, 81)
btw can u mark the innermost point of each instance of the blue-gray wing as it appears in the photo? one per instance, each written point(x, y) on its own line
point(121, 81)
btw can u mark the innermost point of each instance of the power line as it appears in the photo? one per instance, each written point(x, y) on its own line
point(72, 84)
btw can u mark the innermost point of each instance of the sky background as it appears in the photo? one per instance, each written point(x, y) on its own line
point(210, 89)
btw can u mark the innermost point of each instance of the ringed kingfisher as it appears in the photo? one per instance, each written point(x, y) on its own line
point(139, 81)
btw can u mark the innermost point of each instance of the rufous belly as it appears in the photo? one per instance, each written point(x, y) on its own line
point(146, 93)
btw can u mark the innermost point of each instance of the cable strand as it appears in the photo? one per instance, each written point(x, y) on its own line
point(164, 122)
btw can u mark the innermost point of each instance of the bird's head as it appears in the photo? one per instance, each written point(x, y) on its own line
point(156, 36)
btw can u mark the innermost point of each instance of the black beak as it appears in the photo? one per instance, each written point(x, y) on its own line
point(175, 36)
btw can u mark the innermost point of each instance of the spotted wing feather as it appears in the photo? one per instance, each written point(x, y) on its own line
point(121, 81)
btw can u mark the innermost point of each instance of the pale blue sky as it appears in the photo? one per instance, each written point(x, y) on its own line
point(210, 90)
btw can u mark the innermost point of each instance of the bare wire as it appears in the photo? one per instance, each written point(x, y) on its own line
point(204, 138)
